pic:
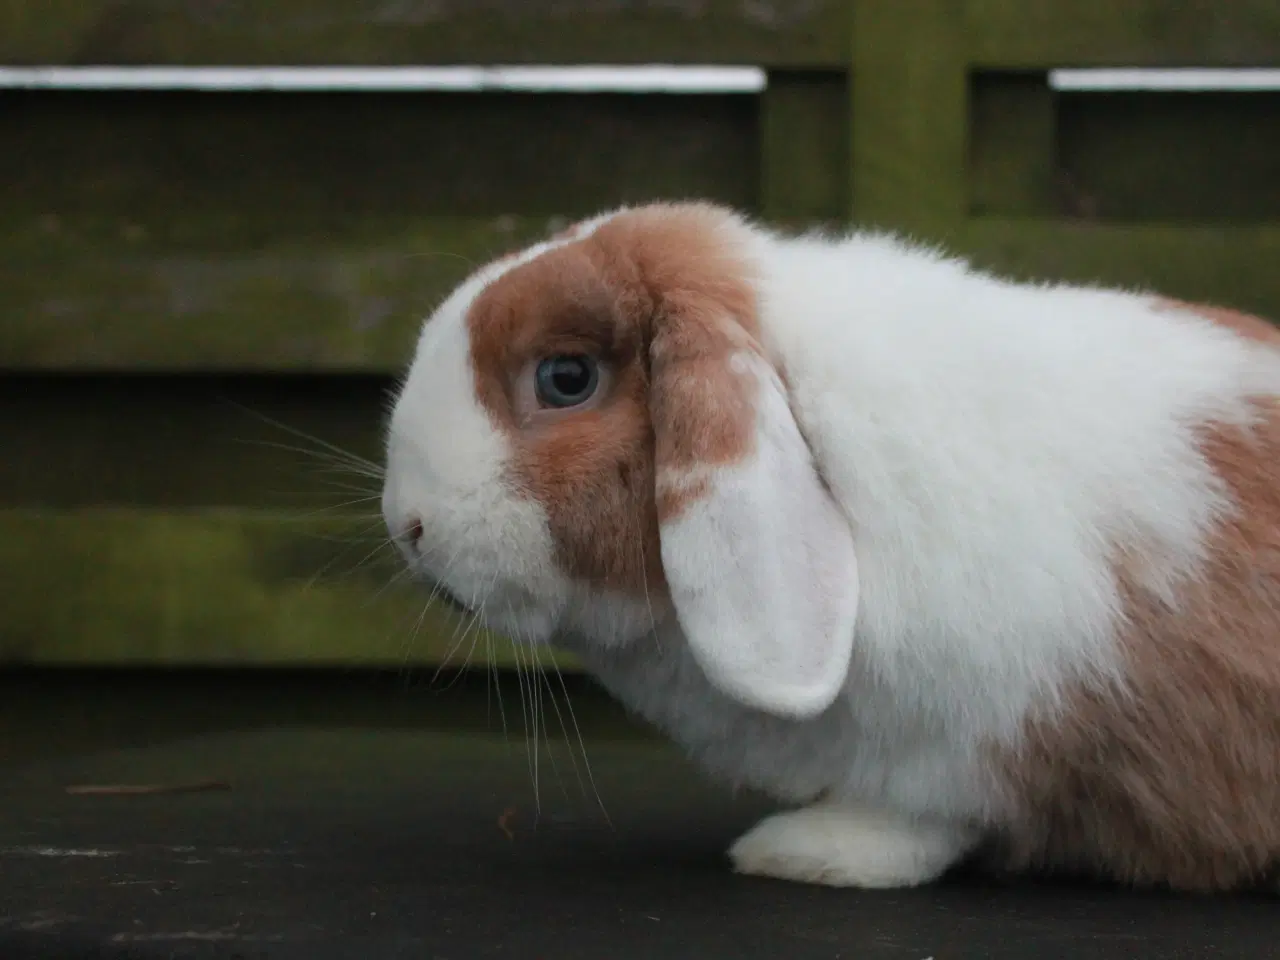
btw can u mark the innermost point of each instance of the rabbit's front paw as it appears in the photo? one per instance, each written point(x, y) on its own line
point(848, 846)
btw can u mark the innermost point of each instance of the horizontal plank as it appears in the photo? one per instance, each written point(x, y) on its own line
point(310, 444)
point(68, 303)
point(1138, 157)
point(190, 169)
point(286, 232)
point(1174, 157)
point(361, 311)
point(216, 587)
point(1231, 266)
point(1037, 34)
point(393, 32)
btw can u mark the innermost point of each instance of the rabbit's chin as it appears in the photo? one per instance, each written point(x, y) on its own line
point(584, 620)
point(526, 625)
point(608, 620)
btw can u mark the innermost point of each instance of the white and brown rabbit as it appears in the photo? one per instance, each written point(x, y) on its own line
point(942, 560)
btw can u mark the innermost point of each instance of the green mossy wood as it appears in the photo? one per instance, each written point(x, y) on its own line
point(217, 587)
point(174, 264)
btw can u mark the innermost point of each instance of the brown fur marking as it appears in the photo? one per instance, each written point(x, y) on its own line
point(1247, 325)
point(1177, 781)
point(659, 297)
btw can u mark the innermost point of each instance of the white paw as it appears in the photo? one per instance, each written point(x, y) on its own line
point(842, 846)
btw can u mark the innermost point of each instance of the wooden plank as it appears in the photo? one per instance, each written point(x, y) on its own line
point(1173, 157)
point(175, 442)
point(1122, 33)
point(274, 313)
point(343, 163)
point(214, 587)
point(908, 100)
point(280, 307)
point(804, 147)
point(1233, 266)
point(284, 232)
point(393, 32)
point(1122, 156)
point(1012, 145)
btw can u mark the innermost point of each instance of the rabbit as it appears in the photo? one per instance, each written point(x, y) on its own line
point(954, 568)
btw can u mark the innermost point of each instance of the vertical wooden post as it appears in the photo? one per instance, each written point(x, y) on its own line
point(804, 155)
point(1012, 149)
point(908, 101)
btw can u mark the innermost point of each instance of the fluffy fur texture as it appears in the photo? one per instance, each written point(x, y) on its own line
point(947, 560)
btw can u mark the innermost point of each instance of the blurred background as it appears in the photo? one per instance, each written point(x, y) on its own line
point(218, 243)
point(223, 221)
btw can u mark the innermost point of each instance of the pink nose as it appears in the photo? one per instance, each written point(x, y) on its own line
point(413, 531)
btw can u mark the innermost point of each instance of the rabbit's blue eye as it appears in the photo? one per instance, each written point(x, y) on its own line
point(566, 380)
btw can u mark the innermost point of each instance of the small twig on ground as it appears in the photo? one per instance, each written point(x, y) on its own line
point(146, 789)
point(504, 822)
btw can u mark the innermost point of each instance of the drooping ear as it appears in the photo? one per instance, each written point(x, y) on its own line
point(758, 557)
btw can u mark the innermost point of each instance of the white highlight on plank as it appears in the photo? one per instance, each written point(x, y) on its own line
point(1191, 79)
point(653, 78)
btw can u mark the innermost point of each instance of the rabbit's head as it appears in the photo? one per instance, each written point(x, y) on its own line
point(593, 440)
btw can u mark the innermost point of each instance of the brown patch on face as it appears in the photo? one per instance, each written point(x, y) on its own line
point(1177, 781)
point(1247, 325)
point(660, 297)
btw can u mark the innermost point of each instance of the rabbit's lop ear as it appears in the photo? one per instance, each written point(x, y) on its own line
point(758, 558)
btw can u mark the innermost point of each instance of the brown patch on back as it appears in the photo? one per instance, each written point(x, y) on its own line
point(661, 296)
point(1177, 782)
point(1247, 325)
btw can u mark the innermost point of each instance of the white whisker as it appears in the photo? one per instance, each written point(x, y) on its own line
point(495, 684)
point(344, 456)
point(586, 762)
point(397, 578)
point(526, 707)
point(319, 574)
point(555, 706)
point(473, 624)
point(412, 639)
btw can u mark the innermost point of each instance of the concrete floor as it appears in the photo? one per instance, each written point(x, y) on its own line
point(360, 817)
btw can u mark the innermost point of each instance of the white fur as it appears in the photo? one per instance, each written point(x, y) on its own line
point(991, 445)
point(448, 473)
point(842, 845)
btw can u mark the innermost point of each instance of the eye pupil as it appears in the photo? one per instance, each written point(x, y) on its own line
point(566, 380)
point(571, 376)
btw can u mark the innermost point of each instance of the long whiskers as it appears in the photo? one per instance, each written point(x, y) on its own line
point(473, 623)
point(495, 685)
point(540, 674)
point(360, 465)
point(555, 706)
point(577, 731)
point(360, 480)
point(530, 721)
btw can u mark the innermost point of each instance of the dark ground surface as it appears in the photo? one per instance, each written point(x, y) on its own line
point(366, 820)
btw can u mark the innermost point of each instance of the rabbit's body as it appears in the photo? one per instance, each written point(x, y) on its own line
point(1039, 485)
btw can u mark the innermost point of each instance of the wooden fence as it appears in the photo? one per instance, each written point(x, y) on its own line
point(175, 266)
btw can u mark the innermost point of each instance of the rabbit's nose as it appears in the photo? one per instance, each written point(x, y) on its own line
point(413, 532)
